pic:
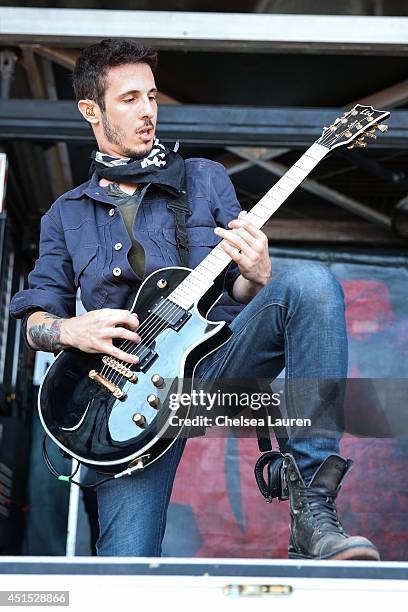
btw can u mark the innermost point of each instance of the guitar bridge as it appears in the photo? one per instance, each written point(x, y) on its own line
point(120, 367)
point(107, 384)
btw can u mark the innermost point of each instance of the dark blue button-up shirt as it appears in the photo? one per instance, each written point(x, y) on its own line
point(80, 230)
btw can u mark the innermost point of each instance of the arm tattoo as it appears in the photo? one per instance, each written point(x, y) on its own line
point(47, 335)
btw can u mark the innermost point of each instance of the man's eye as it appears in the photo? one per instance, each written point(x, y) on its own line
point(152, 97)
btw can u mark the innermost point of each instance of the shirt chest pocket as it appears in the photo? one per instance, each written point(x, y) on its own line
point(88, 276)
point(201, 241)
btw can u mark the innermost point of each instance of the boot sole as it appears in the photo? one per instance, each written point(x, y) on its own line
point(356, 553)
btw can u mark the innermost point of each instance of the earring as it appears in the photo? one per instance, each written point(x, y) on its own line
point(89, 111)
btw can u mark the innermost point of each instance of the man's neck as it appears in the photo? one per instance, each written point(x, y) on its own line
point(126, 187)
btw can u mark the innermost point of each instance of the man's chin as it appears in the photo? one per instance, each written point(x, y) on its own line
point(141, 151)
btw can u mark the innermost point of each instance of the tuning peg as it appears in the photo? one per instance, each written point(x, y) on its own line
point(371, 135)
point(382, 128)
point(361, 144)
point(351, 146)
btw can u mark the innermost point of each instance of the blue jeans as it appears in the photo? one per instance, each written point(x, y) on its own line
point(296, 322)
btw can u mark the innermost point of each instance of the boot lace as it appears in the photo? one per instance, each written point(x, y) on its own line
point(322, 507)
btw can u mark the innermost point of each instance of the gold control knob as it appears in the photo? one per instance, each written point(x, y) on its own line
point(157, 380)
point(153, 400)
point(139, 419)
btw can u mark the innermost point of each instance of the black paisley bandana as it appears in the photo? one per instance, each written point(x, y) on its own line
point(162, 167)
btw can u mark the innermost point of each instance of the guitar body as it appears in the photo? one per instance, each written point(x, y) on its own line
point(84, 416)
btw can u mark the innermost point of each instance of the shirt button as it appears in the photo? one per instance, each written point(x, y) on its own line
point(118, 246)
point(117, 271)
point(111, 212)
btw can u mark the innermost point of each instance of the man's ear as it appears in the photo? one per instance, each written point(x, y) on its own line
point(89, 110)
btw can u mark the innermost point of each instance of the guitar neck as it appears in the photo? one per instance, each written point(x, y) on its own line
point(202, 277)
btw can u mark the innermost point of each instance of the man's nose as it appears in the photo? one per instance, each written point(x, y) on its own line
point(148, 108)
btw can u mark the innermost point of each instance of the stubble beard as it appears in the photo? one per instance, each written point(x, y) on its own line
point(115, 136)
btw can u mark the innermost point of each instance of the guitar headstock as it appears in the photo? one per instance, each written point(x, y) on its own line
point(353, 127)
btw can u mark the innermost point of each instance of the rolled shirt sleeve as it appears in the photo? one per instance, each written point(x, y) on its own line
point(51, 286)
point(225, 208)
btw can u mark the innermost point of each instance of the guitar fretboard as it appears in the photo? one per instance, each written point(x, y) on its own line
point(193, 287)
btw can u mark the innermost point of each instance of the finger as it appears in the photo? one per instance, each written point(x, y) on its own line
point(235, 254)
point(133, 320)
point(250, 227)
point(117, 353)
point(256, 244)
point(242, 214)
point(233, 238)
point(117, 316)
point(126, 334)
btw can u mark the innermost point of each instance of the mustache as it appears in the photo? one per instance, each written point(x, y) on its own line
point(147, 124)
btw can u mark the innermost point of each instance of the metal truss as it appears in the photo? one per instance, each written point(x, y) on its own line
point(211, 31)
point(198, 125)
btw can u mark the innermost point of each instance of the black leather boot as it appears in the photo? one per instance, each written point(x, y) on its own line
point(316, 532)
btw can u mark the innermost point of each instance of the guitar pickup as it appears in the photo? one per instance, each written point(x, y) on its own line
point(174, 317)
point(178, 321)
point(146, 356)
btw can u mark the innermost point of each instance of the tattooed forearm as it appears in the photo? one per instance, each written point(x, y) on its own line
point(46, 334)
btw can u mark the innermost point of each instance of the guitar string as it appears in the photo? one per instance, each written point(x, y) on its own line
point(173, 309)
point(327, 139)
point(164, 310)
point(128, 343)
point(169, 309)
point(156, 327)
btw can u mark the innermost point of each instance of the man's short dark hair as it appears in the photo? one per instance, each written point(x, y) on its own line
point(91, 68)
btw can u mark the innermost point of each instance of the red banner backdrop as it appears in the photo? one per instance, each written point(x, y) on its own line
point(216, 509)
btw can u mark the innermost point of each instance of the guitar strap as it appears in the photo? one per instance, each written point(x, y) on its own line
point(262, 431)
point(263, 435)
point(180, 208)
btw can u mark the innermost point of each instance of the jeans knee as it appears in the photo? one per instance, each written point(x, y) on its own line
point(315, 285)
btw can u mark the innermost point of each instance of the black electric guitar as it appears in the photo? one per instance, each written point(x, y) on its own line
point(115, 417)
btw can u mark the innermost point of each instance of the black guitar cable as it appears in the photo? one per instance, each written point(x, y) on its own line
point(69, 479)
